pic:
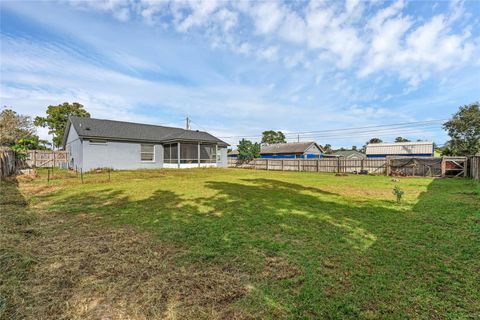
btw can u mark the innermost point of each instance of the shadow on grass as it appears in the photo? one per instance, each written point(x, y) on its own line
point(300, 251)
point(15, 259)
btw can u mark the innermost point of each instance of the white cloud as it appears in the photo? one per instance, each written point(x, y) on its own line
point(380, 39)
point(269, 53)
point(267, 17)
point(414, 52)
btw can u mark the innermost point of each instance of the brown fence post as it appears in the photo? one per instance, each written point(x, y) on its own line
point(282, 165)
point(444, 167)
point(338, 165)
point(298, 164)
point(318, 165)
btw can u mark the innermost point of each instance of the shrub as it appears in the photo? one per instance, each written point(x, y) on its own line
point(398, 193)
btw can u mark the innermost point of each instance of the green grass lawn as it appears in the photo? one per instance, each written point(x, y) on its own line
point(233, 243)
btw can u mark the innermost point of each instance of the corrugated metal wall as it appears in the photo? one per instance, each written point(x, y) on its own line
point(424, 148)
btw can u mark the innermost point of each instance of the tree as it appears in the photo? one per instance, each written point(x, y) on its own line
point(14, 126)
point(28, 143)
point(464, 131)
point(327, 148)
point(248, 150)
point(273, 137)
point(401, 139)
point(57, 117)
point(354, 148)
point(373, 140)
point(33, 143)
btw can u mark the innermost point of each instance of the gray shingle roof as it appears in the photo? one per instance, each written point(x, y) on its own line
point(120, 130)
point(292, 147)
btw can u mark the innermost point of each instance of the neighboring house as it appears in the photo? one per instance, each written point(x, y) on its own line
point(304, 150)
point(413, 149)
point(95, 143)
point(347, 154)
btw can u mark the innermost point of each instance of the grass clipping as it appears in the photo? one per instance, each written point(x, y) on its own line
point(65, 268)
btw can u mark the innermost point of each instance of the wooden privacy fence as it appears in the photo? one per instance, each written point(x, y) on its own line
point(474, 167)
point(313, 165)
point(46, 158)
point(396, 166)
point(7, 163)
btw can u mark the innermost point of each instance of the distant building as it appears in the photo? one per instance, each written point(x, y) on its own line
point(412, 149)
point(347, 154)
point(294, 150)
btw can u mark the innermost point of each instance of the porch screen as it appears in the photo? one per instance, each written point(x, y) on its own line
point(189, 153)
point(170, 153)
point(208, 153)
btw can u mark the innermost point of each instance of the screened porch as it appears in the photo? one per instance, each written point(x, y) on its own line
point(190, 155)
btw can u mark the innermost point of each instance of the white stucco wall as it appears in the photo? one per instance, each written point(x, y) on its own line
point(223, 158)
point(74, 149)
point(118, 155)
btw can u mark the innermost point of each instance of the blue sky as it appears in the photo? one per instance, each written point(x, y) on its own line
point(239, 68)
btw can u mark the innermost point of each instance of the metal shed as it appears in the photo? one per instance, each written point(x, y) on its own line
point(411, 149)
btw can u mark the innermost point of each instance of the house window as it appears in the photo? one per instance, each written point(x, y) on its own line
point(147, 152)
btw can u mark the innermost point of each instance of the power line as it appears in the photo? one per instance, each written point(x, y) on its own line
point(364, 135)
point(378, 131)
point(352, 130)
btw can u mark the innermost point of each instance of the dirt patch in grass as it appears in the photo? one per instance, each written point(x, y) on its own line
point(71, 267)
point(279, 268)
point(98, 273)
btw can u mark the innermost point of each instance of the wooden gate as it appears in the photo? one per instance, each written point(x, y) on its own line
point(46, 158)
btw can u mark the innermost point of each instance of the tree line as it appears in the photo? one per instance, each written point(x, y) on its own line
point(19, 131)
point(463, 129)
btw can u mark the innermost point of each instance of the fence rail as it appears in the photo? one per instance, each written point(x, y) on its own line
point(46, 158)
point(337, 165)
point(435, 167)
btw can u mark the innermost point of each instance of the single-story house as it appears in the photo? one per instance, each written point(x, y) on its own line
point(347, 154)
point(412, 149)
point(96, 143)
point(293, 150)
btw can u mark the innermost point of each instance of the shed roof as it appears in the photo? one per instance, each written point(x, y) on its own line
point(292, 147)
point(130, 131)
point(348, 153)
point(420, 147)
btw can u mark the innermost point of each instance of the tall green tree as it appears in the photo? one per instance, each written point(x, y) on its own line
point(401, 139)
point(248, 150)
point(464, 131)
point(14, 126)
point(57, 117)
point(273, 137)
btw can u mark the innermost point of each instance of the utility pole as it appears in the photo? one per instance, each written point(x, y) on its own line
point(298, 137)
point(187, 123)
